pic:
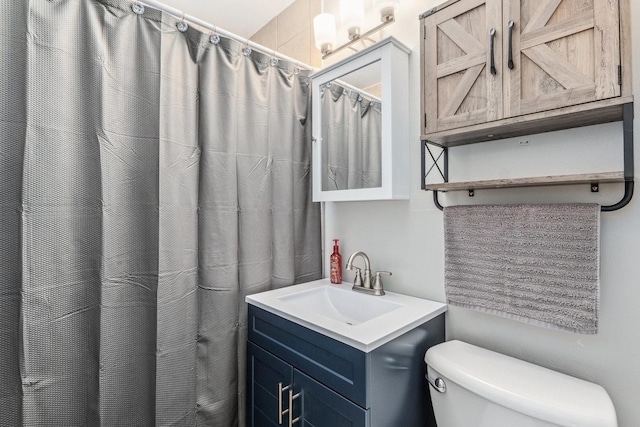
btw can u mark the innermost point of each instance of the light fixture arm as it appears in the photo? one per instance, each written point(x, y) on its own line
point(389, 19)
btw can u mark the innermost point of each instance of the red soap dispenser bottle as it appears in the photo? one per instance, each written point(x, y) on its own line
point(336, 264)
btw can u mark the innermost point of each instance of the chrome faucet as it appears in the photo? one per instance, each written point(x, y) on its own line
point(358, 282)
point(364, 285)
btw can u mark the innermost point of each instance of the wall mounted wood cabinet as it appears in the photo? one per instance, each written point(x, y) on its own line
point(494, 69)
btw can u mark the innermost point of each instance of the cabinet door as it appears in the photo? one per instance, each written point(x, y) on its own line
point(265, 372)
point(319, 406)
point(565, 52)
point(459, 88)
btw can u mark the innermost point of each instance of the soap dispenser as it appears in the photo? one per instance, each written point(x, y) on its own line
point(336, 264)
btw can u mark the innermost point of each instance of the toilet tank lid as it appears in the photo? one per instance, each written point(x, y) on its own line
point(522, 386)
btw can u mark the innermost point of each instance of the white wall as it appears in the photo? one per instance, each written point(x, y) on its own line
point(406, 237)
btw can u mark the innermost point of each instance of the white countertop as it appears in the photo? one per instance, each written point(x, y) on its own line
point(365, 336)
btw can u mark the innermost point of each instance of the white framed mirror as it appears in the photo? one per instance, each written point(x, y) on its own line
point(360, 126)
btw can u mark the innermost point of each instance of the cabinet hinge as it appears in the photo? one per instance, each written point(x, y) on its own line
point(619, 75)
point(428, 12)
point(425, 120)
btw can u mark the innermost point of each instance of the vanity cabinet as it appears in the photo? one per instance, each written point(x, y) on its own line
point(296, 376)
point(499, 68)
point(271, 394)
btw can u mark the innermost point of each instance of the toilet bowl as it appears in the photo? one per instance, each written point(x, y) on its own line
point(475, 387)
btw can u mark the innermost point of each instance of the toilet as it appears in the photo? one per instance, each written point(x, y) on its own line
point(474, 387)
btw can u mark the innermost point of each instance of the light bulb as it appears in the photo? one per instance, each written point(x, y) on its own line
point(352, 12)
point(324, 30)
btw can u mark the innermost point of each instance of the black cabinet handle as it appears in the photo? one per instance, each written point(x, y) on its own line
point(492, 34)
point(510, 25)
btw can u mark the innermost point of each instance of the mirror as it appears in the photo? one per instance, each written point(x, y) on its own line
point(360, 126)
point(352, 130)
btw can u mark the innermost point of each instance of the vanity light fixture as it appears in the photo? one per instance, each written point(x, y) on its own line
point(324, 27)
point(352, 13)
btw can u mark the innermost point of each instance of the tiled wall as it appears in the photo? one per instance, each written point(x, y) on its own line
point(291, 33)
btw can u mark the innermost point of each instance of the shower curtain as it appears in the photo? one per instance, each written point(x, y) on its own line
point(151, 178)
point(352, 132)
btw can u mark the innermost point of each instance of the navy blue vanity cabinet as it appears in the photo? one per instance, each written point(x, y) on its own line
point(269, 375)
point(326, 383)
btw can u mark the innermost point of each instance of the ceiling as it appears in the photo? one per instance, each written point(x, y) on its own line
point(241, 17)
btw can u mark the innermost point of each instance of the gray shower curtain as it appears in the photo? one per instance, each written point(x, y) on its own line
point(150, 179)
point(352, 136)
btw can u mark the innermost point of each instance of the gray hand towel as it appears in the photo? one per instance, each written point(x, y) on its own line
point(534, 263)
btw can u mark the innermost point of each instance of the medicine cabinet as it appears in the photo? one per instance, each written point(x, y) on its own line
point(360, 126)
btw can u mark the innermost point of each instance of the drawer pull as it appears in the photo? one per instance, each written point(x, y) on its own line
point(492, 35)
point(510, 25)
point(292, 396)
point(280, 411)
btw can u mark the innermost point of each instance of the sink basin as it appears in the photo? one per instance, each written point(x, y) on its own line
point(344, 305)
point(357, 319)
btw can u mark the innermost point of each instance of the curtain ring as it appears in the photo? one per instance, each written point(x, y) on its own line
point(138, 8)
point(214, 38)
point(246, 50)
point(182, 25)
point(274, 61)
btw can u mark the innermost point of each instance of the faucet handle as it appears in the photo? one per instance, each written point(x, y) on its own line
point(377, 282)
point(357, 281)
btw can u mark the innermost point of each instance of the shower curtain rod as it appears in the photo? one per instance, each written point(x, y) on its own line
point(357, 90)
point(181, 15)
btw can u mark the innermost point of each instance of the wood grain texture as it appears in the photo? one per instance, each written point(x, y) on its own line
point(560, 55)
point(556, 66)
point(606, 47)
point(625, 48)
point(429, 75)
point(577, 95)
point(540, 18)
point(574, 25)
point(460, 64)
point(538, 181)
point(461, 91)
point(512, 78)
point(592, 113)
point(494, 83)
point(461, 37)
point(454, 102)
point(457, 8)
point(566, 55)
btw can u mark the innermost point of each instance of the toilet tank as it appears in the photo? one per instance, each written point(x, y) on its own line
point(485, 388)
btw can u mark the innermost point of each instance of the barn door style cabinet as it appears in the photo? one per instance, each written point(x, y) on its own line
point(495, 69)
point(499, 68)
